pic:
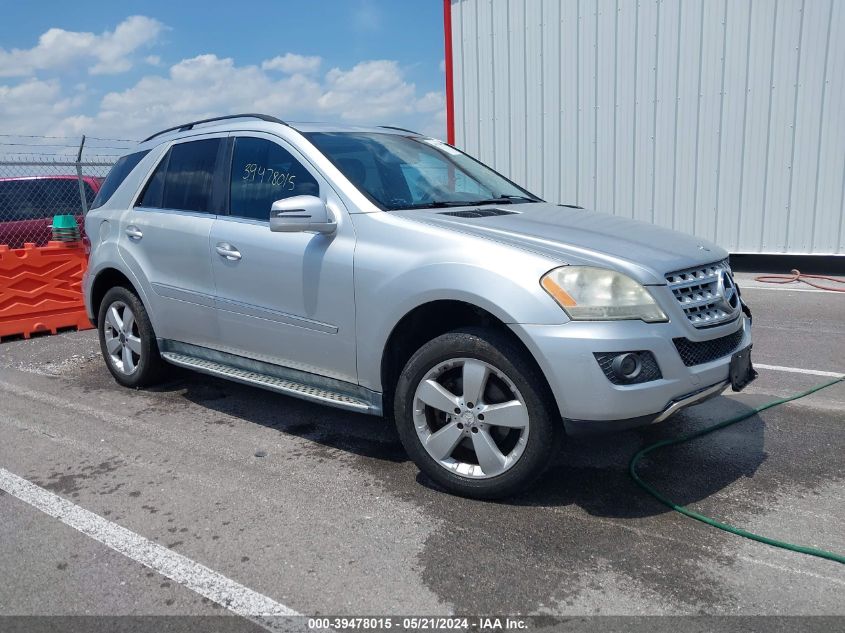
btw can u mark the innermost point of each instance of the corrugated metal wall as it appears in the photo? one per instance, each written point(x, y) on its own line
point(722, 118)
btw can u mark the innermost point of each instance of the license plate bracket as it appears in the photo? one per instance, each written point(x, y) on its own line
point(741, 370)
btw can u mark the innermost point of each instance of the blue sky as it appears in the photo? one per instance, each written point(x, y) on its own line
point(123, 69)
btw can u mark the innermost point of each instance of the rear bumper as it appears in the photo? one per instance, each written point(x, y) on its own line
point(589, 402)
point(87, 280)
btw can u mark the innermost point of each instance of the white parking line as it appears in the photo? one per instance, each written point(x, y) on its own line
point(798, 370)
point(206, 582)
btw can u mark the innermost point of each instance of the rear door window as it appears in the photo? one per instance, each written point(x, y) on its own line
point(118, 173)
point(263, 172)
point(184, 179)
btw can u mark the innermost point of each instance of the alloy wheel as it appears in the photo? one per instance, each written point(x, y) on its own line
point(471, 418)
point(123, 340)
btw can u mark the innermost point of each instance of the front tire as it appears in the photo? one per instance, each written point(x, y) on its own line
point(127, 339)
point(475, 414)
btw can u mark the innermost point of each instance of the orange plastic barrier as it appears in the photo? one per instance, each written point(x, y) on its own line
point(41, 288)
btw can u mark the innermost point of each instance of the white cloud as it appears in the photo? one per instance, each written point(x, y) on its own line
point(33, 106)
point(431, 102)
point(153, 60)
point(291, 63)
point(202, 86)
point(369, 91)
point(107, 53)
point(374, 91)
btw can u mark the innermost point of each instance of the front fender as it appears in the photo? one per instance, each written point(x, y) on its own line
point(498, 289)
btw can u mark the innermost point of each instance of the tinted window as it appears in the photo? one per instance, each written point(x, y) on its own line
point(263, 172)
point(190, 175)
point(155, 185)
point(117, 175)
point(184, 179)
point(35, 198)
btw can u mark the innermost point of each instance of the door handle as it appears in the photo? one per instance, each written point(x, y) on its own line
point(224, 249)
point(134, 232)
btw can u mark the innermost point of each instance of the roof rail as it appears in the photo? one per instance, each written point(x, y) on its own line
point(188, 126)
point(401, 129)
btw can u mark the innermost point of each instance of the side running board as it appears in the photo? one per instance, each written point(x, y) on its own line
point(272, 383)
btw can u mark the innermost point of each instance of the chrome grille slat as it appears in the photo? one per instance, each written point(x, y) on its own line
point(696, 281)
point(694, 303)
point(696, 290)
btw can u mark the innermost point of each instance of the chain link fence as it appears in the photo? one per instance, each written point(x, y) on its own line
point(42, 177)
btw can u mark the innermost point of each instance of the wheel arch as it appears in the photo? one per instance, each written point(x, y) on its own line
point(103, 281)
point(428, 321)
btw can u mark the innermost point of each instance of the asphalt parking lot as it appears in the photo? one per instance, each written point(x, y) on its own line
point(333, 519)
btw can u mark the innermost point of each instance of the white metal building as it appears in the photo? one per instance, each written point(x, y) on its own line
point(722, 118)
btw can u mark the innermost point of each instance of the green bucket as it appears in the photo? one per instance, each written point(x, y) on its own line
point(65, 228)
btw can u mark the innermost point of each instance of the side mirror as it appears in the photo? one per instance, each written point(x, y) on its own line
point(299, 214)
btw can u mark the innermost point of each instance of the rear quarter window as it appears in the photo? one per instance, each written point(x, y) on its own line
point(121, 169)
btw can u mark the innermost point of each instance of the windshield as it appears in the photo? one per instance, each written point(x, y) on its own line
point(407, 172)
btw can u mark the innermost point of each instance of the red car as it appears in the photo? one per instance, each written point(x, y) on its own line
point(28, 204)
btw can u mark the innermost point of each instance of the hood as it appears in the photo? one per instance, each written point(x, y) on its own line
point(644, 251)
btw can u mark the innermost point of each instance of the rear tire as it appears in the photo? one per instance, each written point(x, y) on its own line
point(476, 415)
point(127, 340)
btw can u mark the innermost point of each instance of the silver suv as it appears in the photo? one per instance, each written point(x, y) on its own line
point(381, 271)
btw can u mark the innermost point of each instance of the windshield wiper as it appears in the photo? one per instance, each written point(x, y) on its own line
point(502, 200)
point(442, 204)
point(439, 204)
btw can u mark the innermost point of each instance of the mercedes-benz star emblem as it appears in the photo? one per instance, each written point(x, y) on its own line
point(726, 291)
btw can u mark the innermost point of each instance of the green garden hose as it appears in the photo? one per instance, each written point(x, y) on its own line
point(632, 469)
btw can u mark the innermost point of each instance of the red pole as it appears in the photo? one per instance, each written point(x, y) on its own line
point(450, 86)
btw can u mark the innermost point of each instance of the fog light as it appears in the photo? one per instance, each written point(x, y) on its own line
point(627, 366)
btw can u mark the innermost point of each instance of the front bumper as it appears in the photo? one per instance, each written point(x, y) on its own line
point(589, 402)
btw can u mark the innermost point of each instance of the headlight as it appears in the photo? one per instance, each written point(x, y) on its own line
point(599, 294)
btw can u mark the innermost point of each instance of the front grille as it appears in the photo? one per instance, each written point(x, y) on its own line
point(649, 368)
point(697, 290)
point(696, 353)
